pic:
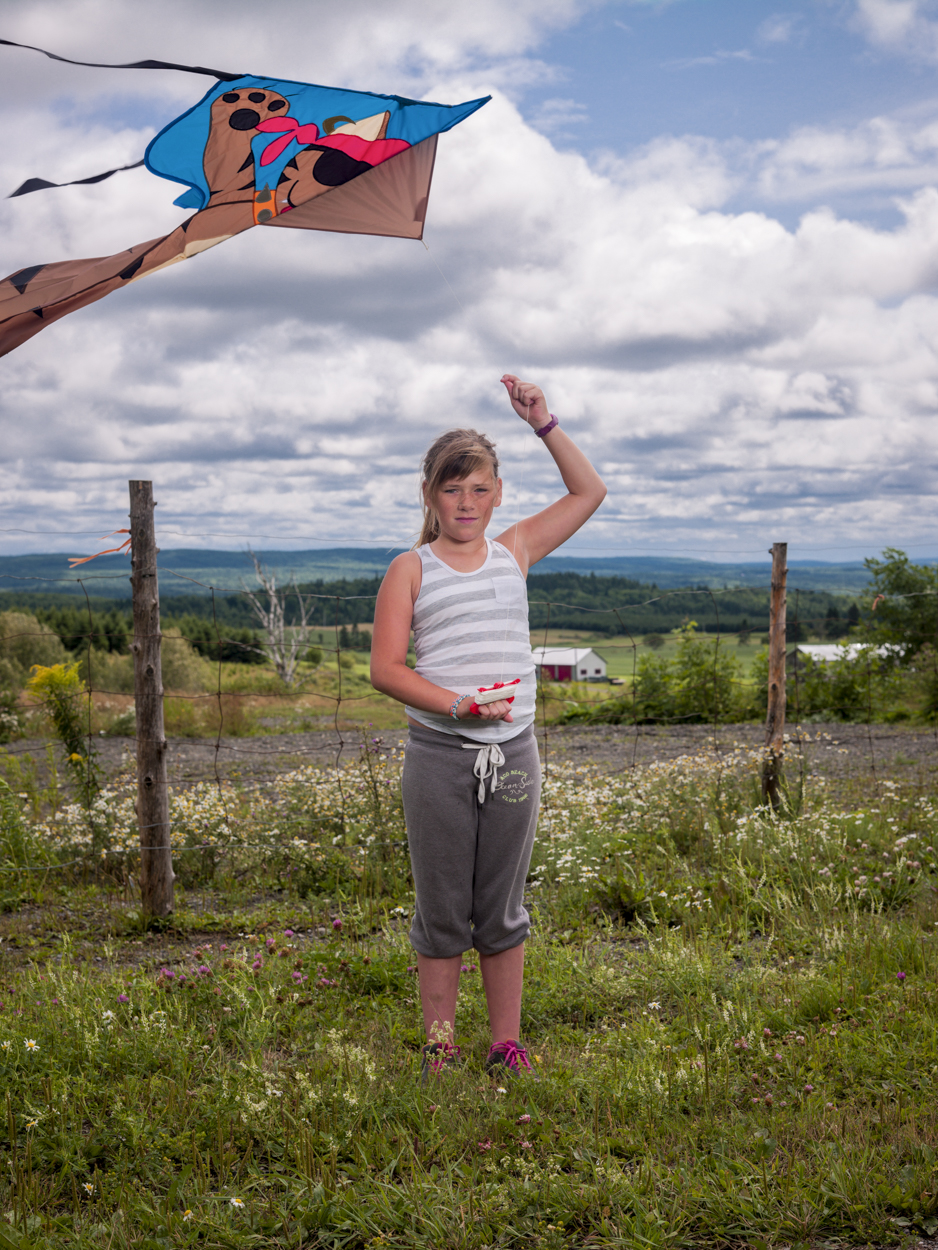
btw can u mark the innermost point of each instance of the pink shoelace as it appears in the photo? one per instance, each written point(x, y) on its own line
point(444, 1054)
point(512, 1056)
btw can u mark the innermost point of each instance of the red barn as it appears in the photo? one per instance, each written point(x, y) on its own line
point(569, 664)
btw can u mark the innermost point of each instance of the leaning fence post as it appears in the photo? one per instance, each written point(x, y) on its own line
point(775, 715)
point(156, 862)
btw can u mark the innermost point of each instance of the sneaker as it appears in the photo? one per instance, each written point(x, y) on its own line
point(437, 1057)
point(508, 1059)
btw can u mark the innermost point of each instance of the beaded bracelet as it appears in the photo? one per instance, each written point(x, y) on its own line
point(452, 710)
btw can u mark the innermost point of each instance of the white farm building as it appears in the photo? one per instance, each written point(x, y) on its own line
point(569, 664)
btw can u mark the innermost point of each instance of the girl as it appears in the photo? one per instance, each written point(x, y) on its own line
point(471, 817)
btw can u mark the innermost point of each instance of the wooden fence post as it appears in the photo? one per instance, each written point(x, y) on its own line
point(775, 715)
point(156, 862)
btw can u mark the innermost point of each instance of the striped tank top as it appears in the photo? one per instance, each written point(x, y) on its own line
point(471, 630)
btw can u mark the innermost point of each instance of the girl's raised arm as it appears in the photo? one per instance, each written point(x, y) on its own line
point(537, 536)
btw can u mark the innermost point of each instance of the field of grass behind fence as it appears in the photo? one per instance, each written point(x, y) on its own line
point(732, 1016)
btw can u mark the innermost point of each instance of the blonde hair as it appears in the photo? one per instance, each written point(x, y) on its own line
point(454, 455)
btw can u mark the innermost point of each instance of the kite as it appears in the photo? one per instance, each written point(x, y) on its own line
point(254, 151)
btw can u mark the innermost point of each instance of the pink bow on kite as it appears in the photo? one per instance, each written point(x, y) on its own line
point(302, 134)
point(371, 151)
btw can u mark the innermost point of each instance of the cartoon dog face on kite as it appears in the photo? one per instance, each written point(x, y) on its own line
point(256, 145)
point(257, 152)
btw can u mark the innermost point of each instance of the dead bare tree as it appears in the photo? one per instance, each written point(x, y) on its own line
point(283, 643)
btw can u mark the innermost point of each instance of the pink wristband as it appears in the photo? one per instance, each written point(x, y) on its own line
point(546, 429)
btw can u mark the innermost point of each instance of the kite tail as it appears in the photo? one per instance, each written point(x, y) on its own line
point(33, 298)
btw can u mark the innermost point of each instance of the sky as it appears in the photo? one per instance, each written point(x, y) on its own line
point(707, 228)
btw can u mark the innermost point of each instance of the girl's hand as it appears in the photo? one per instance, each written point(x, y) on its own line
point(527, 400)
point(487, 711)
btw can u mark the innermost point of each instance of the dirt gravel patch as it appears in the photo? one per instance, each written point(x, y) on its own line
point(833, 751)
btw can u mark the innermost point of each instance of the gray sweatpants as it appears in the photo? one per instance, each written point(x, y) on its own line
point(469, 859)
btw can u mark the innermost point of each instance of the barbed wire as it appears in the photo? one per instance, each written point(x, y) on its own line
point(549, 689)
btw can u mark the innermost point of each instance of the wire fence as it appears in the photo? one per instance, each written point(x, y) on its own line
point(716, 691)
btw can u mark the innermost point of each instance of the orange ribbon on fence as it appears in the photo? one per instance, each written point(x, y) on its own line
point(74, 561)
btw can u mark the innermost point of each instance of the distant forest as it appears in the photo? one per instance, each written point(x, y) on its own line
point(600, 605)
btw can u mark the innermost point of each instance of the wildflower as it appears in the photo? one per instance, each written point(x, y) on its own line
point(654, 1005)
point(88, 1187)
point(122, 998)
point(809, 1089)
point(270, 943)
point(484, 1145)
point(288, 933)
point(107, 1016)
point(236, 1202)
point(167, 973)
point(900, 976)
point(526, 1145)
point(768, 1100)
point(32, 1123)
point(204, 969)
point(740, 1044)
point(501, 1090)
point(766, 1032)
point(524, 1119)
point(337, 924)
point(5, 1045)
point(829, 1106)
point(778, 1057)
point(31, 1044)
point(187, 1216)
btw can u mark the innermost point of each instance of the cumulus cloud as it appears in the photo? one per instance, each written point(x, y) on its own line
point(908, 27)
point(887, 153)
point(778, 28)
point(554, 116)
point(736, 381)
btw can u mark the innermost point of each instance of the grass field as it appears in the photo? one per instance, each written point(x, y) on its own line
point(733, 1018)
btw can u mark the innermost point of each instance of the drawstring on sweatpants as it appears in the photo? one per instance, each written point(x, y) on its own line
point(488, 762)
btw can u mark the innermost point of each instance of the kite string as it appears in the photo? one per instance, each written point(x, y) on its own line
point(514, 540)
point(442, 274)
point(524, 456)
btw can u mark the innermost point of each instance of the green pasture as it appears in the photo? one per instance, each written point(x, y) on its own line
point(733, 1016)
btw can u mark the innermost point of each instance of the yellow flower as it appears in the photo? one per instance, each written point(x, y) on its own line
point(32, 1123)
point(88, 1187)
point(236, 1202)
point(187, 1215)
point(31, 1044)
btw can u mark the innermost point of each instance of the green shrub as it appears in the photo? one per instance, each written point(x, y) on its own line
point(23, 643)
point(183, 669)
point(702, 683)
point(101, 670)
